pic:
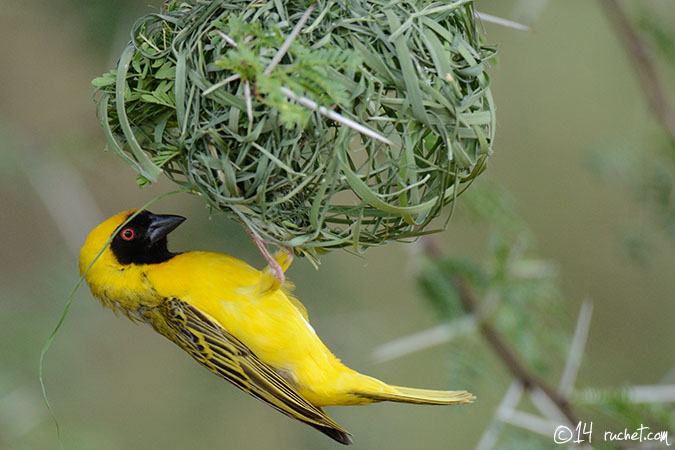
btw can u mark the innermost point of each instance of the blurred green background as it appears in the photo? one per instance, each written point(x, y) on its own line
point(566, 96)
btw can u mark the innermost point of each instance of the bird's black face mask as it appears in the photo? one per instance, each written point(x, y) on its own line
point(143, 240)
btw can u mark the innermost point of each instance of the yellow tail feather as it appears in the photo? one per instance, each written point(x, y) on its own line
point(420, 396)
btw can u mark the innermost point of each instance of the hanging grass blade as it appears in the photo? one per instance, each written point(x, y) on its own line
point(66, 309)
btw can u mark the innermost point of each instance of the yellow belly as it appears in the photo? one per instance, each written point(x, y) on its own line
point(269, 324)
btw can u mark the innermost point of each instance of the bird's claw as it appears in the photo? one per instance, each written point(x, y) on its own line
point(277, 271)
point(277, 264)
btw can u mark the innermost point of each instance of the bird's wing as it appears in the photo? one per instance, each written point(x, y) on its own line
point(226, 356)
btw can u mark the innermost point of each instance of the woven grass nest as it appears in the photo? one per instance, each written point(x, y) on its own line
point(359, 132)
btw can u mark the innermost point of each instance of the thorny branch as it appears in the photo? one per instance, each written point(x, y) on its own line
point(643, 64)
point(508, 355)
point(499, 345)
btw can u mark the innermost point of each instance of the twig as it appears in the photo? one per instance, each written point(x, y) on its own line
point(222, 83)
point(499, 345)
point(658, 393)
point(644, 66)
point(505, 408)
point(289, 40)
point(548, 407)
point(306, 102)
point(314, 106)
point(500, 21)
point(569, 374)
point(530, 422)
point(249, 102)
point(507, 355)
point(421, 340)
point(227, 39)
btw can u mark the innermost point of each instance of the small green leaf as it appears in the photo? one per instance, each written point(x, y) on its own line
point(166, 72)
point(107, 79)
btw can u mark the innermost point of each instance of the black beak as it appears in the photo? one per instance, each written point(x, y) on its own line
point(161, 225)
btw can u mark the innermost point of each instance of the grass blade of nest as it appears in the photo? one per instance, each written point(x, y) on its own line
point(148, 169)
point(364, 191)
point(251, 152)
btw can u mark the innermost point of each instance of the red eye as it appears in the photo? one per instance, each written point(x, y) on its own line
point(127, 234)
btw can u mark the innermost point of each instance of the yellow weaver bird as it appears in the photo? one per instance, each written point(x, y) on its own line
point(238, 322)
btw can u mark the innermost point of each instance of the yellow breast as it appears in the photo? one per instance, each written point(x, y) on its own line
point(267, 323)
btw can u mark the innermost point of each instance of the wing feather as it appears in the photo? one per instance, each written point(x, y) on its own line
point(226, 356)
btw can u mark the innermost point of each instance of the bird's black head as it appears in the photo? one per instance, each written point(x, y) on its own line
point(143, 239)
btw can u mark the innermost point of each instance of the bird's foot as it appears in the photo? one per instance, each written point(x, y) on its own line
point(284, 257)
point(278, 263)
